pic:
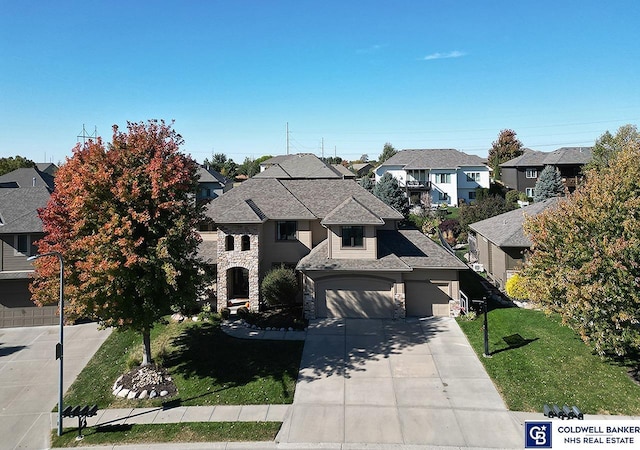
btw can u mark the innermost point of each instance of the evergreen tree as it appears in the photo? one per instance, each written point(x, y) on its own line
point(367, 183)
point(549, 184)
point(389, 191)
point(387, 152)
point(9, 164)
point(506, 147)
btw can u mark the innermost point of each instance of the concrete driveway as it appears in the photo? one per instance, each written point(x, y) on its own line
point(29, 378)
point(396, 382)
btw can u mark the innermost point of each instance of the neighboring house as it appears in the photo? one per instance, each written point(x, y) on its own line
point(362, 169)
point(522, 173)
point(499, 243)
point(344, 241)
point(22, 193)
point(346, 173)
point(301, 165)
point(211, 184)
point(447, 176)
point(29, 177)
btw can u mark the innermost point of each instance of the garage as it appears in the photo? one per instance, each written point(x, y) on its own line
point(17, 310)
point(358, 297)
point(426, 298)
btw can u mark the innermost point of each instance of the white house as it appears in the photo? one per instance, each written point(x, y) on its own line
point(446, 175)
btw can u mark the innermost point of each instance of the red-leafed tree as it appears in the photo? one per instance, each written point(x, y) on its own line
point(124, 218)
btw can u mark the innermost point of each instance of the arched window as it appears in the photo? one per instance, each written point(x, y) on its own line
point(228, 243)
point(245, 243)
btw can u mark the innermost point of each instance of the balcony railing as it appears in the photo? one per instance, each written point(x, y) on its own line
point(418, 185)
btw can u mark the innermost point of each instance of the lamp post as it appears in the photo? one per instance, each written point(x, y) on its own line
point(59, 351)
point(485, 327)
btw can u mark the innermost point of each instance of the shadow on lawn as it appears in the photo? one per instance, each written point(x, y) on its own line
point(207, 352)
point(514, 341)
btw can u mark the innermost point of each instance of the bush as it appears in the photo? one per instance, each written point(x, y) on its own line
point(242, 312)
point(450, 230)
point(225, 313)
point(279, 286)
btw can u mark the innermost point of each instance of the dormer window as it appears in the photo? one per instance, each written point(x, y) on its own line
point(353, 236)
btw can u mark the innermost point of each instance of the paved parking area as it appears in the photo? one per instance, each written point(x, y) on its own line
point(29, 378)
point(396, 382)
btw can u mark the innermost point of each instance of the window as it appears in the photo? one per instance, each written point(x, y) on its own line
point(228, 243)
point(353, 236)
point(473, 176)
point(472, 195)
point(245, 243)
point(286, 230)
point(443, 196)
point(21, 245)
point(529, 192)
point(443, 178)
point(531, 173)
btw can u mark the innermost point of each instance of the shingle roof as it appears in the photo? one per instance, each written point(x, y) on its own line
point(303, 165)
point(344, 171)
point(505, 230)
point(398, 250)
point(211, 176)
point(28, 177)
point(415, 159)
point(351, 212)
point(292, 200)
point(256, 200)
point(317, 260)
point(19, 209)
point(564, 155)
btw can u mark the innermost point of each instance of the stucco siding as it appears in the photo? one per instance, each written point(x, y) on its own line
point(367, 251)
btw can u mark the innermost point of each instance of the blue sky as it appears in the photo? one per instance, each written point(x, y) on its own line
point(351, 74)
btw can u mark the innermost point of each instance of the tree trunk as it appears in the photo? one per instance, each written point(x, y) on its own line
point(146, 351)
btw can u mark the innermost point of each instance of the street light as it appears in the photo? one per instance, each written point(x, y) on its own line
point(485, 327)
point(59, 344)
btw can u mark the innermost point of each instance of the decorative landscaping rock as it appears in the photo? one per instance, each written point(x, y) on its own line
point(163, 393)
point(146, 380)
point(177, 317)
point(123, 393)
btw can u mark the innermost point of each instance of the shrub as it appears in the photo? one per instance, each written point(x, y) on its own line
point(279, 286)
point(450, 230)
point(225, 313)
point(242, 312)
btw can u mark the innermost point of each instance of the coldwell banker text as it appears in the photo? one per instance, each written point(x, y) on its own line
point(587, 434)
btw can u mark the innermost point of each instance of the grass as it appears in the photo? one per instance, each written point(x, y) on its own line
point(208, 367)
point(535, 360)
point(172, 432)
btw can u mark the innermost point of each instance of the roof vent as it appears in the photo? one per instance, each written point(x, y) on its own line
point(33, 182)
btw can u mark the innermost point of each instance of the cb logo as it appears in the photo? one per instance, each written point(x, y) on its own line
point(537, 434)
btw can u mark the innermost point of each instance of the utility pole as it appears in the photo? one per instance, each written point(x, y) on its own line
point(287, 138)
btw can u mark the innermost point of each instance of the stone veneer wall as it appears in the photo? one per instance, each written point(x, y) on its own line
point(308, 298)
point(248, 259)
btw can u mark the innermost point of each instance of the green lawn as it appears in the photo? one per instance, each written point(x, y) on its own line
point(208, 367)
point(170, 432)
point(535, 360)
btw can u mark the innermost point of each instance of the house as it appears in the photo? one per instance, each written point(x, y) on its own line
point(346, 173)
point(211, 184)
point(445, 175)
point(22, 193)
point(344, 241)
point(499, 243)
point(362, 169)
point(522, 173)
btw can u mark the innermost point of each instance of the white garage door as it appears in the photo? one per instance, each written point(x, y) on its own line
point(424, 298)
point(359, 304)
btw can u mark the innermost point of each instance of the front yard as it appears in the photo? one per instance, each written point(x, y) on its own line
point(535, 360)
point(208, 367)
